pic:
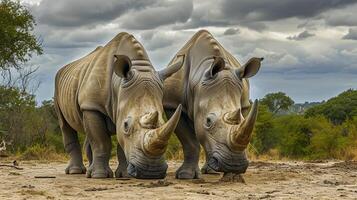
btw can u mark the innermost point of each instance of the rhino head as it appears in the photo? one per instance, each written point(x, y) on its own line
point(223, 123)
point(141, 129)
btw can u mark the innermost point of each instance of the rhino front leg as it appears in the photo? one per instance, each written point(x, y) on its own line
point(72, 146)
point(100, 143)
point(87, 148)
point(191, 148)
point(121, 171)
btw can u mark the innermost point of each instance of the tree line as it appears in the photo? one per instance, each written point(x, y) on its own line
point(324, 131)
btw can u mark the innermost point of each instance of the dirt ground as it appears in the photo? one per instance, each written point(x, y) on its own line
point(264, 180)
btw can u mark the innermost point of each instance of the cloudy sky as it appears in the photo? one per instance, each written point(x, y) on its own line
point(310, 47)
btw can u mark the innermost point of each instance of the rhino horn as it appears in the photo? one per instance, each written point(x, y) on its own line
point(149, 120)
point(174, 67)
point(240, 135)
point(234, 117)
point(155, 141)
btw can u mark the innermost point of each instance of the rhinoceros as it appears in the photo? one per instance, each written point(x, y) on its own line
point(213, 89)
point(115, 90)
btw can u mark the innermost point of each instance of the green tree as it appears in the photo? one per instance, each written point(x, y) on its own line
point(264, 137)
point(277, 101)
point(18, 120)
point(337, 109)
point(17, 42)
point(294, 133)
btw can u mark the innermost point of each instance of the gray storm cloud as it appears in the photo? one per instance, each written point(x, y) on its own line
point(304, 42)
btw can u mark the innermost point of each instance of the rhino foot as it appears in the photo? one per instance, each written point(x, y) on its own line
point(208, 170)
point(99, 172)
point(188, 172)
point(75, 169)
point(120, 173)
point(232, 177)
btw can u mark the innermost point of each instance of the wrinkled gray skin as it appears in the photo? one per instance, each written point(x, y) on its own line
point(214, 91)
point(112, 90)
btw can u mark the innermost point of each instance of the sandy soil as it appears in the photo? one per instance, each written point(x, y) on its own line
point(264, 180)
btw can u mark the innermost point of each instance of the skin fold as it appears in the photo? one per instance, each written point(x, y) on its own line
point(213, 89)
point(115, 90)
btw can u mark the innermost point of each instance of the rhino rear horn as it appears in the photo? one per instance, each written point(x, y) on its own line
point(234, 117)
point(155, 141)
point(173, 68)
point(149, 120)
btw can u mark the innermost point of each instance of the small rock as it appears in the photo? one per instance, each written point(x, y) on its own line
point(203, 192)
point(96, 189)
point(328, 182)
point(266, 197)
point(28, 186)
point(271, 192)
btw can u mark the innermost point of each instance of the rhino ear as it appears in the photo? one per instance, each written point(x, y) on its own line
point(250, 68)
point(173, 68)
point(122, 65)
point(217, 66)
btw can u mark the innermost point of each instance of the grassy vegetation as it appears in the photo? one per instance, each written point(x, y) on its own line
point(323, 132)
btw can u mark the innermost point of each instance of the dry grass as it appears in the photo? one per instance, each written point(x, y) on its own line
point(41, 153)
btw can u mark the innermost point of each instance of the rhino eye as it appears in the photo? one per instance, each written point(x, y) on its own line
point(126, 125)
point(210, 120)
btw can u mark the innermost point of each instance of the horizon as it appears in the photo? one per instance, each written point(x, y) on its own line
point(310, 53)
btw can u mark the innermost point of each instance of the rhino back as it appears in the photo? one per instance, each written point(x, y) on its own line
point(201, 46)
point(175, 87)
point(87, 84)
point(95, 90)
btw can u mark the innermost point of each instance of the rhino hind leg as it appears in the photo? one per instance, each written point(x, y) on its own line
point(191, 148)
point(121, 171)
point(72, 147)
point(100, 143)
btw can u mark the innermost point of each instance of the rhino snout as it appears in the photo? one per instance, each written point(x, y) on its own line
point(147, 171)
point(228, 162)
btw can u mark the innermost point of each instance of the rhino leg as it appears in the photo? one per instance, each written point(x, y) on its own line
point(100, 143)
point(72, 147)
point(191, 148)
point(88, 150)
point(121, 171)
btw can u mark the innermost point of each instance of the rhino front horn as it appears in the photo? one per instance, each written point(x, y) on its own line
point(240, 135)
point(155, 141)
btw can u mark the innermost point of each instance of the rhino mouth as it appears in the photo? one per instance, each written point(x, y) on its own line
point(222, 161)
point(148, 171)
